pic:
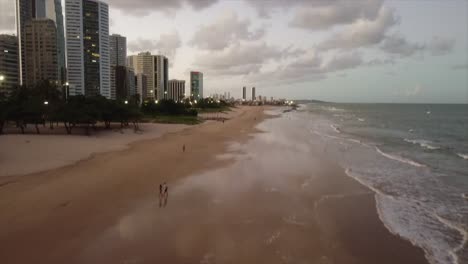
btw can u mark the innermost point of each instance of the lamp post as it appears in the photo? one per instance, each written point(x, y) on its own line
point(165, 95)
point(2, 78)
point(126, 102)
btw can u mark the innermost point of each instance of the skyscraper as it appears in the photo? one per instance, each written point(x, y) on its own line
point(141, 83)
point(117, 50)
point(196, 85)
point(88, 47)
point(40, 50)
point(125, 82)
point(40, 9)
point(244, 93)
point(9, 72)
point(253, 94)
point(155, 67)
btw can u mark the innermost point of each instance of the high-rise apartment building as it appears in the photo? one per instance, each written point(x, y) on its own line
point(155, 67)
point(141, 83)
point(117, 50)
point(244, 93)
point(9, 73)
point(125, 82)
point(88, 47)
point(40, 51)
point(41, 9)
point(176, 90)
point(253, 94)
point(196, 85)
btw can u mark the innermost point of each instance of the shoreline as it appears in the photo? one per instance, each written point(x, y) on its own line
point(85, 214)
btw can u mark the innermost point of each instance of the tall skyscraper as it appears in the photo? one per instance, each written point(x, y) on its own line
point(253, 94)
point(141, 83)
point(40, 9)
point(40, 50)
point(155, 67)
point(118, 56)
point(24, 13)
point(196, 85)
point(88, 47)
point(117, 50)
point(9, 72)
point(244, 93)
point(176, 90)
point(125, 82)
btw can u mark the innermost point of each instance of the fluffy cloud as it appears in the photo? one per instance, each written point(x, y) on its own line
point(144, 7)
point(166, 45)
point(326, 14)
point(241, 59)
point(310, 67)
point(224, 31)
point(398, 45)
point(362, 33)
point(441, 46)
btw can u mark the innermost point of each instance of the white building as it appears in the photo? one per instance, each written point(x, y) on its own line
point(87, 30)
point(176, 90)
point(155, 67)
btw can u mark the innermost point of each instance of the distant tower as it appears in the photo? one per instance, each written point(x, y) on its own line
point(244, 93)
point(253, 93)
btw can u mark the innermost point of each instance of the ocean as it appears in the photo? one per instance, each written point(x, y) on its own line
point(413, 156)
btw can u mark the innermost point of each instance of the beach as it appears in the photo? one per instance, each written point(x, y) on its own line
point(242, 192)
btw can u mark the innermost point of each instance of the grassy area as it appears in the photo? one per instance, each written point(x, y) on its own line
point(174, 119)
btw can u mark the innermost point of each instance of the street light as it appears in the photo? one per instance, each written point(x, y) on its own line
point(2, 78)
point(46, 103)
point(155, 101)
point(126, 102)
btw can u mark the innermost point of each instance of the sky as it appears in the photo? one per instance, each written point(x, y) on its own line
point(406, 51)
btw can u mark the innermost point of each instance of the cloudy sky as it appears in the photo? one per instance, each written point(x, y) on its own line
point(335, 50)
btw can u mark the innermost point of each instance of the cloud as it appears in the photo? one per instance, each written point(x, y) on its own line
point(441, 46)
point(166, 45)
point(309, 67)
point(323, 15)
point(362, 33)
point(145, 7)
point(398, 45)
point(227, 29)
point(460, 66)
point(240, 59)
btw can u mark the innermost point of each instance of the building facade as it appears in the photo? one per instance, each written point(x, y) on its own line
point(176, 90)
point(155, 67)
point(118, 50)
point(88, 47)
point(40, 50)
point(196, 85)
point(41, 9)
point(9, 72)
point(125, 82)
point(141, 83)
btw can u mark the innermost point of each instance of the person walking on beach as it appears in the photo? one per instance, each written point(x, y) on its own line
point(183, 148)
point(160, 194)
point(165, 194)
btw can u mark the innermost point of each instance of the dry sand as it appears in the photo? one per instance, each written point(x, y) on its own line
point(105, 209)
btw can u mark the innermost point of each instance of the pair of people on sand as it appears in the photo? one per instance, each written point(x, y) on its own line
point(163, 194)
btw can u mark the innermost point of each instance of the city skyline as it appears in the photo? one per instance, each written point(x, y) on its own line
point(399, 51)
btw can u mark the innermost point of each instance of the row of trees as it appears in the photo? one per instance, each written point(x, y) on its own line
point(46, 104)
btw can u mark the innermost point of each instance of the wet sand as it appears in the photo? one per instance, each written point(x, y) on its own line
point(243, 202)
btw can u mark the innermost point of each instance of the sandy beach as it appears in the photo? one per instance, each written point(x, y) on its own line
point(236, 195)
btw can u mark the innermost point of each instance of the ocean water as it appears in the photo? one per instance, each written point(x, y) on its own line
point(414, 157)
